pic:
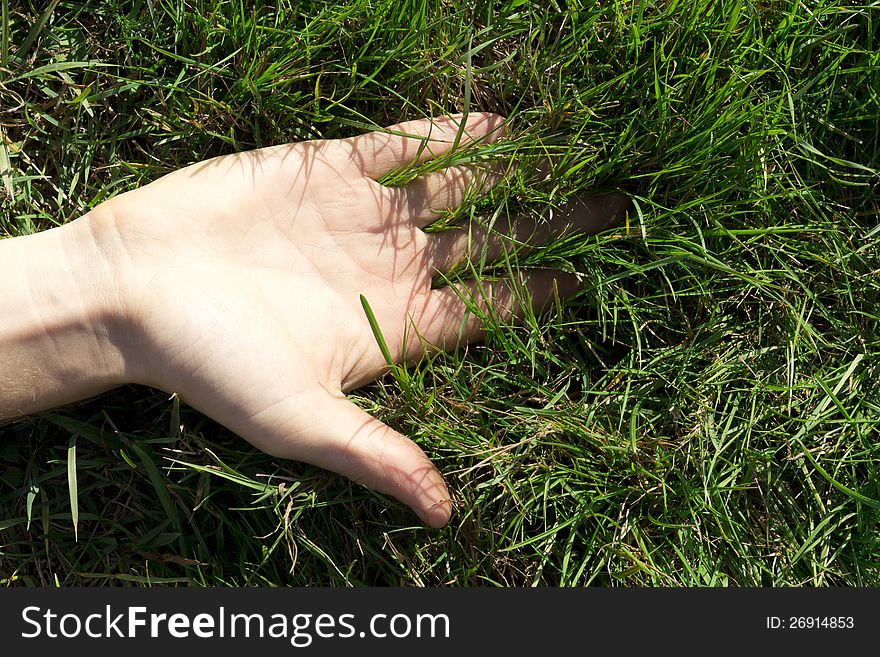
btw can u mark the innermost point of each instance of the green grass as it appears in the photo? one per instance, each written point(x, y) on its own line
point(704, 412)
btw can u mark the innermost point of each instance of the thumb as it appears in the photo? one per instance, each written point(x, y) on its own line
point(333, 433)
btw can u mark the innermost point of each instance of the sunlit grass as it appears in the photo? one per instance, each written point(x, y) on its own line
point(703, 412)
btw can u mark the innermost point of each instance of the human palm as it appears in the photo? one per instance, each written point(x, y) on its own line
point(245, 274)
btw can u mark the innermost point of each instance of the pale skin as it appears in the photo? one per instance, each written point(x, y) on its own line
point(236, 282)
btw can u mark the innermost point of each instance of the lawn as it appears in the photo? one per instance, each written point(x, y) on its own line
point(704, 412)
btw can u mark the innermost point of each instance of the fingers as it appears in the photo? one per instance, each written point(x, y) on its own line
point(454, 314)
point(585, 215)
point(333, 433)
point(422, 201)
point(377, 153)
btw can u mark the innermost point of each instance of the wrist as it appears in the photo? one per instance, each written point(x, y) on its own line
point(100, 267)
point(62, 327)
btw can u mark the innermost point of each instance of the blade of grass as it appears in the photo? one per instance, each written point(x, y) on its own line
point(4, 34)
point(72, 487)
point(377, 332)
point(35, 31)
point(33, 491)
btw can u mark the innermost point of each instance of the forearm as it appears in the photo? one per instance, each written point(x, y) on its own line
point(60, 332)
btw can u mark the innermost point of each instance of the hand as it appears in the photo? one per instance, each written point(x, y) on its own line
point(240, 280)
